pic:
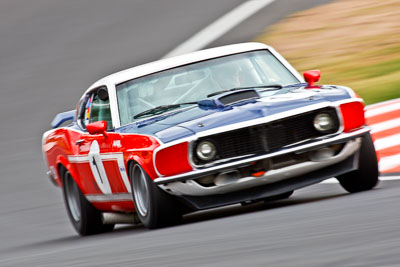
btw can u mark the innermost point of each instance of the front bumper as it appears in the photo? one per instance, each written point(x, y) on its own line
point(186, 185)
point(269, 190)
point(193, 188)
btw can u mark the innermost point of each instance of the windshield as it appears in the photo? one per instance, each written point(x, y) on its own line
point(194, 82)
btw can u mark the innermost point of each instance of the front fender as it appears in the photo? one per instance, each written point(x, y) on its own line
point(147, 165)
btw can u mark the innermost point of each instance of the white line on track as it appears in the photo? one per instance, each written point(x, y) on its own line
point(386, 142)
point(381, 110)
point(389, 162)
point(386, 125)
point(219, 27)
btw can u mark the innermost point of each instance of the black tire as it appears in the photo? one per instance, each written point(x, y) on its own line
point(154, 207)
point(366, 177)
point(85, 218)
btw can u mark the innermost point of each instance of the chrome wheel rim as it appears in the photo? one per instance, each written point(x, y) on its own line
point(140, 191)
point(72, 195)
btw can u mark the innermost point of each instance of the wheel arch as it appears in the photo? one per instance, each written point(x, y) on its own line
point(64, 164)
point(135, 159)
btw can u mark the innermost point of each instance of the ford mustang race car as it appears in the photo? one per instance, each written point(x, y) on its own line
point(234, 124)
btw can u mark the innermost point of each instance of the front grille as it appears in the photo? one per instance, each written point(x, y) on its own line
point(266, 138)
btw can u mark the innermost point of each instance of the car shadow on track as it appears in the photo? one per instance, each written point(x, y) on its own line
point(237, 210)
point(313, 194)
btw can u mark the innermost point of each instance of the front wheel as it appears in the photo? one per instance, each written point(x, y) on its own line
point(155, 208)
point(366, 177)
point(85, 218)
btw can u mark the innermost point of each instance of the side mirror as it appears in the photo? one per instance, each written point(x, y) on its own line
point(311, 77)
point(98, 127)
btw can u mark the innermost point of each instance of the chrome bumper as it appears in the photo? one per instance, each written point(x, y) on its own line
point(183, 184)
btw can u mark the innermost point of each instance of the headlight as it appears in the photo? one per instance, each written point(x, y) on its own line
point(324, 122)
point(206, 150)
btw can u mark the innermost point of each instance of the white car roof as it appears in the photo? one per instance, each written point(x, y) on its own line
point(172, 62)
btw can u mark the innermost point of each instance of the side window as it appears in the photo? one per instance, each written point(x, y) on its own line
point(97, 109)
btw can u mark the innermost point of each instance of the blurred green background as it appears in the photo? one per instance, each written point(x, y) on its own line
point(354, 43)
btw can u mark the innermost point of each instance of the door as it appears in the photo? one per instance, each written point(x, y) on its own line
point(95, 149)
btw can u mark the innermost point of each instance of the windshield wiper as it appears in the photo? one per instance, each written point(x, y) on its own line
point(272, 86)
point(161, 109)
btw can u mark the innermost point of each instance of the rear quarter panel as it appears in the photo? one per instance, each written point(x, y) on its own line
point(57, 145)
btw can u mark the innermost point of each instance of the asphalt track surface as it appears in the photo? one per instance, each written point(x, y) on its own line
point(51, 51)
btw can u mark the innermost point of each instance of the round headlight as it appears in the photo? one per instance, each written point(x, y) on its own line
point(206, 150)
point(323, 122)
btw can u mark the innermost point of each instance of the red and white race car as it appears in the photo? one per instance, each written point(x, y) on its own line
point(227, 125)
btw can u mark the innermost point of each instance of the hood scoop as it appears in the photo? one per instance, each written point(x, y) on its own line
point(229, 98)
